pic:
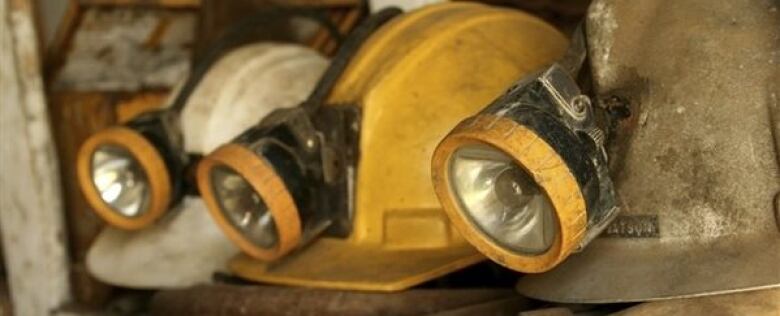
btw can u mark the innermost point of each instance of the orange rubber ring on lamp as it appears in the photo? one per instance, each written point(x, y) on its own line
point(264, 180)
point(541, 162)
point(149, 159)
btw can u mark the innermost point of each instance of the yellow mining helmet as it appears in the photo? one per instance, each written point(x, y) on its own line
point(526, 179)
point(355, 171)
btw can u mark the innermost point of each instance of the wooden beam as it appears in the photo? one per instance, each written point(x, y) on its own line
point(31, 219)
point(57, 47)
point(151, 3)
point(318, 3)
point(225, 300)
point(76, 116)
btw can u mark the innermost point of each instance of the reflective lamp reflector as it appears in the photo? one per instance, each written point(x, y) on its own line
point(243, 207)
point(502, 199)
point(120, 180)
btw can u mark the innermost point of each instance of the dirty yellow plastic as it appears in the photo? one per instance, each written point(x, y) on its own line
point(415, 79)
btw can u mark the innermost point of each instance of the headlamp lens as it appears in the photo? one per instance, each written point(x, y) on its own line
point(243, 207)
point(120, 180)
point(502, 199)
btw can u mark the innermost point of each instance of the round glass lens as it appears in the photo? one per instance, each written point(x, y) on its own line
point(502, 199)
point(120, 180)
point(243, 207)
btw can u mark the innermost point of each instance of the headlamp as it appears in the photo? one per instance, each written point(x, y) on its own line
point(526, 179)
point(393, 102)
point(288, 179)
point(130, 174)
point(282, 182)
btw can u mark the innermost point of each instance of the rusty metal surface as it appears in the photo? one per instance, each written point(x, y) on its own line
point(502, 307)
point(270, 300)
point(697, 169)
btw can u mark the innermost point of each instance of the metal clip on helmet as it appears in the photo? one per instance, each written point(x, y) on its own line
point(696, 163)
point(351, 165)
point(526, 179)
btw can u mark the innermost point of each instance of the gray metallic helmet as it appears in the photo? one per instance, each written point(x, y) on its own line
point(696, 166)
point(766, 302)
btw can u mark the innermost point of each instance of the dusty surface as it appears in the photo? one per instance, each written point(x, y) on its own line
point(750, 303)
point(183, 249)
point(698, 154)
point(128, 49)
